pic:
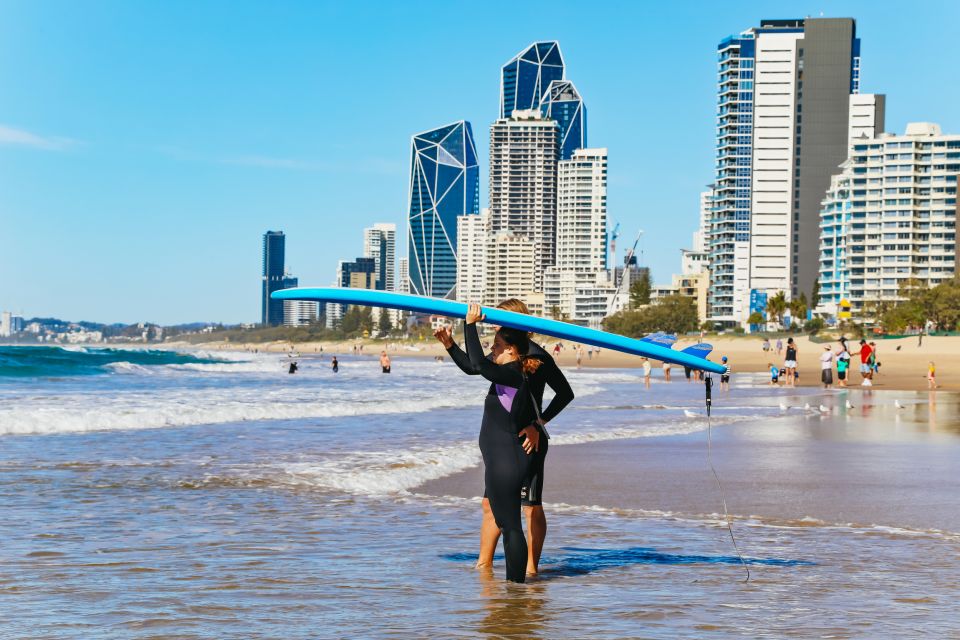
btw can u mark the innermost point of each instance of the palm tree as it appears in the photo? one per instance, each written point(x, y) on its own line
point(777, 306)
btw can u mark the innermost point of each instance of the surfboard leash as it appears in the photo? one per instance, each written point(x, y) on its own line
point(708, 382)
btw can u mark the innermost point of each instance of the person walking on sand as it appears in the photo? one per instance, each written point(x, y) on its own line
point(826, 367)
point(666, 371)
point(647, 368)
point(579, 355)
point(932, 376)
point(790, 363)
point(779, 346)
point(866, 372)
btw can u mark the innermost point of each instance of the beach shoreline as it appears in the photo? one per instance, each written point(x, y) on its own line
point(903, 363)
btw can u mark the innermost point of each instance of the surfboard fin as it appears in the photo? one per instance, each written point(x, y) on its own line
point(661, 338)
point(700, 350)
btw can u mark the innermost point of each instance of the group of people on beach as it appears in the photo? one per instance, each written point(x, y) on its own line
point(831, 358)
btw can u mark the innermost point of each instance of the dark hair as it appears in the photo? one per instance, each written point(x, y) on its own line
point(520, 340)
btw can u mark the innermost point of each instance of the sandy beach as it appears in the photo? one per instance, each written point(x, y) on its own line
point(903, 362)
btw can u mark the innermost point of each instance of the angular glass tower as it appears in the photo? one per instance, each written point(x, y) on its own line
point(444, 184)
point(562, 102)
point(524, 80)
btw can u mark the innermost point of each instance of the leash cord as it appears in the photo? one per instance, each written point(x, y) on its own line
point(708, 381)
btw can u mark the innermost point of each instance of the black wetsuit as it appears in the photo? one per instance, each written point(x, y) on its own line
point(548, 374)
point(504, 460)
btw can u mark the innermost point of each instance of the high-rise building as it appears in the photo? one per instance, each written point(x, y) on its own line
point(890, 218)
point(562, 102)
point(523, 183)
point(403, 276)
point(380, 243)
point(472, 238)
point(783, 121)
point(580, 270)
point(444, 184)
point(6, 324)
point(271, 311)
point(510, 269)
point(582, 211)
point(524, 80)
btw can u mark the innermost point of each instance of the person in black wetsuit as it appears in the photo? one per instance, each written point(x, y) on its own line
point(548, 374)
point(507, 408)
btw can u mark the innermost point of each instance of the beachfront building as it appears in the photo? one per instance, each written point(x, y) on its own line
point(890, 217)
point(562, 103)
point(525, 78)
point(6, 324)
point(472, 238)
point(298, 313)
point(580, 268)
point(444, 184)
point(274, 247)
point(523, 183)
point(784, 119)
point(511, 270)
point(380, 243)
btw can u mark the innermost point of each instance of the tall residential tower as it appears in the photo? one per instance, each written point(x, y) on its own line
point(524, 80)
point(271, 311)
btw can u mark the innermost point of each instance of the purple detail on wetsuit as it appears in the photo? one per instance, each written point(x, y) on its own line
point(506, 395)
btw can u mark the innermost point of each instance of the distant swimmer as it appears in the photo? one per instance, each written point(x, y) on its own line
point(293, 367)
point(384, 362)
point(335, 364)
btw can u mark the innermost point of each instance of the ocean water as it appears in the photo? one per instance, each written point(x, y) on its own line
point(215, 496)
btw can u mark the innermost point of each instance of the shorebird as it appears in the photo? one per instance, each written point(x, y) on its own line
point(784, 407)
point(849, 405)
point(824, 409)
point(807, 407)
point(897, 404)
point(691, 414)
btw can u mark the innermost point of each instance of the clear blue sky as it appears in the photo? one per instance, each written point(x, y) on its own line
point(146, 146)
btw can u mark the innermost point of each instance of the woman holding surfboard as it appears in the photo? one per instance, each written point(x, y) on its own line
point(548, 374)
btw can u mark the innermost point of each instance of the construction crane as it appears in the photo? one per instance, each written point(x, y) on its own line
point(613, 243)
point(626, 265)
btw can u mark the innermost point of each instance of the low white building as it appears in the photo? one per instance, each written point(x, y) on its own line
point(298, 313)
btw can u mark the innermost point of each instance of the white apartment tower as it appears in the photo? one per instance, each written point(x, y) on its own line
point(890, 216)
point(580, 272)
point(472, 238)
point(785, 113)
point(380, 243)
point(510, 269)
point(523, 184)
point(403, 275)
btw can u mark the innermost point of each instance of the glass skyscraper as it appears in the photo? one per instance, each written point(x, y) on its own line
point(524, 80)
point(562, 102)
point(271, 311)
point(444, 184)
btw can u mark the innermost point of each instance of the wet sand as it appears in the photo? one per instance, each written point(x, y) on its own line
point(870, 465)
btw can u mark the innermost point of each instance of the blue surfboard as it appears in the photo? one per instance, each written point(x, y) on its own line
point(656, 346)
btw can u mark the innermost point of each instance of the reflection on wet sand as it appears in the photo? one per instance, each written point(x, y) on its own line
point(511, 610)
